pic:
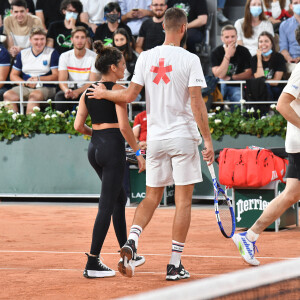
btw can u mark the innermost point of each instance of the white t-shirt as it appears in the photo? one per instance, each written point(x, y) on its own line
point(252, 43)
point(292, 140)
point(167, 72)
point(95, 9)
point(275, 8)
point(78, 69)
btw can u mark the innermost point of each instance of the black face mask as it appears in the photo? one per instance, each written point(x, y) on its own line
point(122, 48)
point(183, 40)
point(112, 18)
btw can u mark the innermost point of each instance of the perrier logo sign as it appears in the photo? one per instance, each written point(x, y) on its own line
point(243, 206)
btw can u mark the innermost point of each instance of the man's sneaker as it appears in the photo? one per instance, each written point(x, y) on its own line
point(222, 20)
point(174, 273)
point(126, 264)
point(246, 248)
point(96, 269)
point(138, 261)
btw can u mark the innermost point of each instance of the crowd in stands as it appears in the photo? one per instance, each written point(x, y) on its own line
point(53, 41)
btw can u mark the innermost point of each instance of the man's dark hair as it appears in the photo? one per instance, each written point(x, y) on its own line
point(21, 3)
point(75, 3)
point(297, 34)
point(109, 7)
point(174, 18)
point(78, 29)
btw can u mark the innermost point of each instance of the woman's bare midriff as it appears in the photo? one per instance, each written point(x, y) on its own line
point(101, 126)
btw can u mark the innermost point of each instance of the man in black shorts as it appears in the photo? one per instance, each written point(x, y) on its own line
point(289, 106)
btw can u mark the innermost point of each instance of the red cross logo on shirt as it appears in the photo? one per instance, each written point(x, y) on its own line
point(161, 72)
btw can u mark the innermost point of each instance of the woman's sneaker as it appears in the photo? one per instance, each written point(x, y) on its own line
point(96, 269)
point(138, 261)
point(174, 273)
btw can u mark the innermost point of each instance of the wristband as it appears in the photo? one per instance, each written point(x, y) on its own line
point(138, 153)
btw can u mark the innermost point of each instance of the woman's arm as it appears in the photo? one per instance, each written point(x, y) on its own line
point(81, 116)
point(277, 76)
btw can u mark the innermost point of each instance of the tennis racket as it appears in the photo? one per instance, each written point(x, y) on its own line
point(131, 157)
point(223, 207)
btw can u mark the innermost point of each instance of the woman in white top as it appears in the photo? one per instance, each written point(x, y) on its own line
point(277, 11)
point(253, 23)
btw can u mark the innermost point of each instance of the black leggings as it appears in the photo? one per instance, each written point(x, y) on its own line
point(106, 154)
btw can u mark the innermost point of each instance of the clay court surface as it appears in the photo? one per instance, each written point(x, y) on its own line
point(42, 251)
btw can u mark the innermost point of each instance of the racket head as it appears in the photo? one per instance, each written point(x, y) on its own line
point(224, 211)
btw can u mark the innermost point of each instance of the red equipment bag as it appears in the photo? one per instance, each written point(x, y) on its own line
point(250, 168)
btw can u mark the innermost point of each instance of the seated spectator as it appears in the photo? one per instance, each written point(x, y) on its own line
point(252, 25)
point(276, 12)
point(197, 18)
point(59, 32)
point(18, 25)
point(269, 64)
point(231, 61)
point(134, 13)
point(4, 70)
point(121, 40)
point(140, 129)
point(93, 12)
point(104, 32)
point(77, 64)
point(152, 33)
point(48, 11)
point(34, 65)
point(289, 47)
point(222, 20)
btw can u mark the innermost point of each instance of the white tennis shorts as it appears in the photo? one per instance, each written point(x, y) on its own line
point(173, 161)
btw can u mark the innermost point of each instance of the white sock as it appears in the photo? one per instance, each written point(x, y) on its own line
point(177, 249)
point(134, 234)
point(252, 236)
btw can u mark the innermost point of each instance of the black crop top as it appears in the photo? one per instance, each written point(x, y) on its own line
point(102, 111)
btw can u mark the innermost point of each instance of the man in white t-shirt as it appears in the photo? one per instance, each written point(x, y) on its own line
point(77, 64)
point(289, 106)
point(173, 79)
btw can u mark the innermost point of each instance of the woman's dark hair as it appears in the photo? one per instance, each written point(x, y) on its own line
point(128, 52)
point(75, 3)
point(247, 26)
point(106, 56)
point(109, 7)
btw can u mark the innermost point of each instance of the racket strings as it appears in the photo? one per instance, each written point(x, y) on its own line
point(225, 213)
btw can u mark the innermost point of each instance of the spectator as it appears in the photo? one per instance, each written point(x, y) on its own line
point(289, 47)
point(104, 32)
point(4, 69)
point(231, 62)
point(34, 65)
point(197, 18)
point(121, 40)
point(222, 20)
point(77, 64)
point(134, 12)
point(253, 23)
point(17, 27)
point(48, 11)
point(140, 129)
point(152, 33)
point(269, 64)
point(276, 12)
point(59, 33)
point(93, 12)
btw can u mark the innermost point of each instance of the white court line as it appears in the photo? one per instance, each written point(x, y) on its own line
point(146, 254)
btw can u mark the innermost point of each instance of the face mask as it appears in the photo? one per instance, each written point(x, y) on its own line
point(112, 18)
point(183, 40)
point(296, 9)
point(122, 48)
point(255, 10)
point(267, 53)
point(70, 14)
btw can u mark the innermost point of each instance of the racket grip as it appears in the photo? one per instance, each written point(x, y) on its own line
point(211, 171)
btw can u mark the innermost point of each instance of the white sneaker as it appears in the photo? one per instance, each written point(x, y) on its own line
point(138, 261)
point(246, 248)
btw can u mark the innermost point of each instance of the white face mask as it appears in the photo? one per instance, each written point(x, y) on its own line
point(70, 15)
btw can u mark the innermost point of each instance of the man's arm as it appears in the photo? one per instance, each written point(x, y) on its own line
point(139, 44)
point(200, 21)
point(98, 91)
point(40, 14)
point(50, 42)
point(52, 77)
point(221, 70)
point(84, 18)
point(242, 76)
point(200, 114)
point(15, 75)
point(284, 107)
point(3, 74)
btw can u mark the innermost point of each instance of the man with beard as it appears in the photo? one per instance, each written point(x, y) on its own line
point(173, 78)
point(197, 14)
point(77, 64)
point(151, 32)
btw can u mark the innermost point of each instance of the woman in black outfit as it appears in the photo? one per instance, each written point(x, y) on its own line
point(106, 154)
